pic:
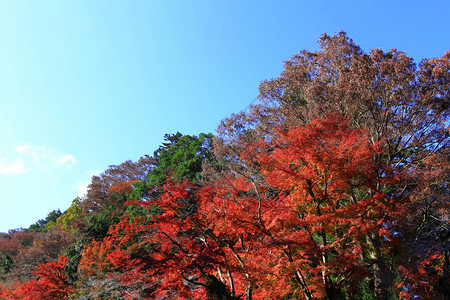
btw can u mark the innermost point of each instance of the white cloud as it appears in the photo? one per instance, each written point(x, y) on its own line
point(37, 153)
point(46, 158)
point(68, 159)
point(27, 158)
point(23, 149)
point(11, 168)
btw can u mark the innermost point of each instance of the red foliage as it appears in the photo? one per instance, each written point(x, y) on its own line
point(50, 284)
point(422, 278)
point(300, 232)
point(315, 228)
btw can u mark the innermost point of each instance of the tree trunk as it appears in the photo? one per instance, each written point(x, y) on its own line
point(248, 292)
point(379, 270)
point(445, 280)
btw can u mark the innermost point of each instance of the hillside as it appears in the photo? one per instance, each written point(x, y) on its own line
point(333, 186)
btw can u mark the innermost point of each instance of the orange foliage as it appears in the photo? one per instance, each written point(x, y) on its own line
point(93, 260)
point(125, 187)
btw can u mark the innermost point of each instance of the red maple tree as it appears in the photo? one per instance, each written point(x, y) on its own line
point(308, 229)
point(51, 283)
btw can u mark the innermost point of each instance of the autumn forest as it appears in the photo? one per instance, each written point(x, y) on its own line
point(334, 185)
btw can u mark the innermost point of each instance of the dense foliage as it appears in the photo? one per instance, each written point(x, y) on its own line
point(334, 186)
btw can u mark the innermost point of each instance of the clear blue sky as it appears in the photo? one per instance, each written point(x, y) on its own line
point(87, 84)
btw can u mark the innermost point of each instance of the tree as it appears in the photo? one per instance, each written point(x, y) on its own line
point(51, 283)
point(48, 223)
point(68, 220)
point(305, 231)
point(46, 247)
point(96, 200)
point(403, 105)
point(179, 157)
point(316, 229)
point(428, 270)
point(12, 247)
point(90, 217)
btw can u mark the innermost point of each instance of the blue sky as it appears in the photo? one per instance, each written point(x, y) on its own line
point(87, 84)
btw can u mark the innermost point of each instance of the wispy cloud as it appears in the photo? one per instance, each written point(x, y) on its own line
point(37, 152)
point(11, 167)
point(67, 159)
point(27, 158)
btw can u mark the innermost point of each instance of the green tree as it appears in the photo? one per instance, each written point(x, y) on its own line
point(180, 157)
point(47, 223)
